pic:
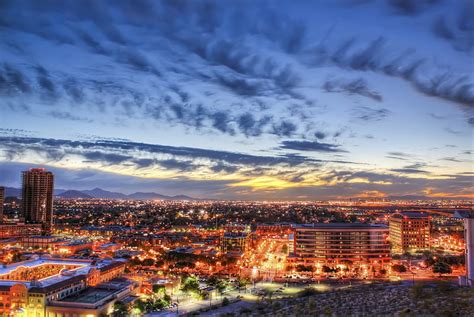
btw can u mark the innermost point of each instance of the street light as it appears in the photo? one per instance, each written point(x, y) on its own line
point(254, 275)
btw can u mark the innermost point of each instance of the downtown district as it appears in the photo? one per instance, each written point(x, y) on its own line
point(85, 256)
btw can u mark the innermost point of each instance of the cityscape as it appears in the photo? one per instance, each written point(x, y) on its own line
point(70, 255)
point(224, 158)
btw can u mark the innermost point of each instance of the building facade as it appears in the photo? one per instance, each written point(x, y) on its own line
point(336, 243)
point(236, 243)
point(37, 197)
point(32, 288)
point(2, 201)
point(410, 232)
point(469, 236)
point(19, 230)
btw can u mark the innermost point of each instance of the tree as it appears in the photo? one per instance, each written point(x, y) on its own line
point(241, 283)
point(213, 281)
point(191, 286)
point(442, 268)
point(148, 262)
point(221, 287)
point(304, 268)
point(399, 268)
point(158, 288)
point(121, 309)
point(140, 305)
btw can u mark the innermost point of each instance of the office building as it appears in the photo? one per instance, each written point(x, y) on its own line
point(410, 232)
point(37, 196)
point(468, 279)
point(469, 234)
point(235, 243)
point(336, 243)
point(2, 201)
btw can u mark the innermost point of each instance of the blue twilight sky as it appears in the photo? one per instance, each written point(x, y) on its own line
point(240, 99)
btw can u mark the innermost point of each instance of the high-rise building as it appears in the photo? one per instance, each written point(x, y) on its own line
point(410, 232)
point(336, 243)
point(2, 198)
point(37, 196)
point(469, 236)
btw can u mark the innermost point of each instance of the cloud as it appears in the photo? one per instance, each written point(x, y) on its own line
point(408, 171)
point(285, 128)
point(12, 81)
point(452, 159)
point(46, 84)
point(319, 135)
point(399, 156)
point(411, 7)
point(67, 116)
point(312, 146)
point(357, 86)
point(374, 56)
point(120, 151)
point(369, 114)
point(250, 126)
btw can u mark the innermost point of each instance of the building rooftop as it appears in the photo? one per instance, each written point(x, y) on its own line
point(412, 215)
point(90, 295)
point(340, 225)
point(81, 269)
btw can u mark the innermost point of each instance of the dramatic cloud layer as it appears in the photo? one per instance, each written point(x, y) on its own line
point(249, 98)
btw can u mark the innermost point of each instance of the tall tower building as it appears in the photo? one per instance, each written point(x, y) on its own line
point(469, 236)
point(2, 198)
point(37, 197)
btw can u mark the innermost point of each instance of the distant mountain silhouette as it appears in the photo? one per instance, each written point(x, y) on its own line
point(12, 192)
point(101, 193)
point(420, 197)
point(73, 194)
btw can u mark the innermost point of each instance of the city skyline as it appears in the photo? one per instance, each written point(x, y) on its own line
point(287, 100)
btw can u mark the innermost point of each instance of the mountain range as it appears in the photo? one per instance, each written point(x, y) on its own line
point(105, 194)
point(101, 193)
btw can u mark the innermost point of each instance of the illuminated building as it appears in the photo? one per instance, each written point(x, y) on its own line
point(109, 231)
point(19, 230)
point(2, 199)
point(469, 237)
point(276, 229)
point(410, 232)
point(109, 247)
point(235, 243)
point(237, 228)
point(340, 242)
point(43, 242)
point(74, 247)
point(37, 197)
point(30, 288)
point(92, 301)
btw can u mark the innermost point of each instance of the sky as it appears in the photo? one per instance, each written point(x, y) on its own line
point(287, 100)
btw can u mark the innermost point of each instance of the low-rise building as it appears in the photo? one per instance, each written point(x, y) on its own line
point(18, 230)
point(27, 288)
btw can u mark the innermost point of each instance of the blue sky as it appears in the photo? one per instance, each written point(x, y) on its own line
point(241, 99)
